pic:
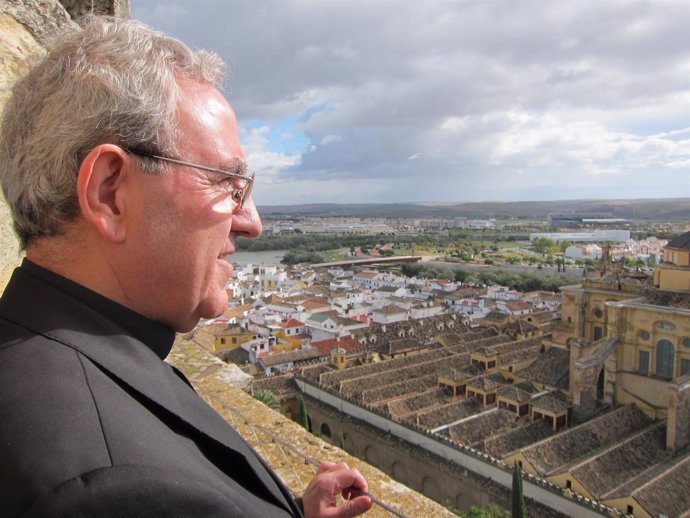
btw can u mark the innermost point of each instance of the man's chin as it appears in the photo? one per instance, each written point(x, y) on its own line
point(214, 307)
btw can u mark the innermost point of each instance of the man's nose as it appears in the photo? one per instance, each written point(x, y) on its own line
point(246, 221)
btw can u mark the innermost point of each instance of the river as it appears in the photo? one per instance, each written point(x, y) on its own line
point(262, 257)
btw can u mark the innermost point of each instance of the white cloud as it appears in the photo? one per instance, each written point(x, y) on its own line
point(328, 139)
point(266, 163)
point(453, 101)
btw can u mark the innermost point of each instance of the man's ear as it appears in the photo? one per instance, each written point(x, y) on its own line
point(101, 190)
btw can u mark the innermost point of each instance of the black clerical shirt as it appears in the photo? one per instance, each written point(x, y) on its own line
point(156, 336)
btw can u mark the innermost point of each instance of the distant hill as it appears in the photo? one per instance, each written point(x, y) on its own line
point(653, 210)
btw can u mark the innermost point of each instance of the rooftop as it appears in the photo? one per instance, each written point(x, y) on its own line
point(549, 368)
point(681, 242)
point(605, 473)
point(299, 355)
point(558, 452)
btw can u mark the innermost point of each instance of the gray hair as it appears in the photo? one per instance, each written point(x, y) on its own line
point(113, 81)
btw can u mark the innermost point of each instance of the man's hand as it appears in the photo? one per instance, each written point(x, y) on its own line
point(333, 479)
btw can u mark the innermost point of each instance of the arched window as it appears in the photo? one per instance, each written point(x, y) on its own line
point(664, 359)
point(325, 430)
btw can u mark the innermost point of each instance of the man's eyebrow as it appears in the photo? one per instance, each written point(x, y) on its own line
point(236, 166)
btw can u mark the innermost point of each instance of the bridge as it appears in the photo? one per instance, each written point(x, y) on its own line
point(371, 260)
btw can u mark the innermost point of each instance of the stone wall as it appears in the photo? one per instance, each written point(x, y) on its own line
point(678, 429)
point(26, 27)
point(285, 445)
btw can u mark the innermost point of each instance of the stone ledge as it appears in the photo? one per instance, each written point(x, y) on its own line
point(285, 445)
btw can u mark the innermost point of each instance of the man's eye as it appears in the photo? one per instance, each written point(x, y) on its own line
point(227, 184)
point(237, 195)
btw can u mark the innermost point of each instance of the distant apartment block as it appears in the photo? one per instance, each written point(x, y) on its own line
point(583, 218)
point(616, 236)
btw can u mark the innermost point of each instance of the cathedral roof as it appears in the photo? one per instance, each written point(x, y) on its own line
point(682, 242)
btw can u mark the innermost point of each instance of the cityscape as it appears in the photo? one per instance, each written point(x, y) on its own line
point(473, 280)
point(410, 354)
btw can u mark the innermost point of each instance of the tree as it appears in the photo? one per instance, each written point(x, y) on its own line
point(302, 417)
point(545, 245)
point(268, 398)
point(518, 498)
point(461, 275)
point(565, 244)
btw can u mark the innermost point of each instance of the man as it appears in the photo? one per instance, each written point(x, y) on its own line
point(121, 164)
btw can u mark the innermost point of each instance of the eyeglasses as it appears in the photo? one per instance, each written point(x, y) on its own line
point(238, 195)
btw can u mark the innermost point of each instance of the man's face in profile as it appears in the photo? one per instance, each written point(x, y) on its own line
point(189, 220)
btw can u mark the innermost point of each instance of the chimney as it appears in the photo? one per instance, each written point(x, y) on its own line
point(678, 425)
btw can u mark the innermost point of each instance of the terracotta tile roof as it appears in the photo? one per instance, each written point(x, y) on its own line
point(551, 368)
point(542, 316)
point(474, 431)
point(668, 493)
point(514, 345)
point(496, 316)
point(345, 342)
point(669, 299)
point(550, 402)
point(518, 305)
point(391, 309)
point(237, 311)
point(315, 303)
point(503, 444)
point(290, 323)
point(382, 394)
point(448, 414)
point(521, 326)
point(681, 242)
point(518, 357)
point(515, 393)
point(606, 472)
point(427, 399)
point(355, 386)
point(552, 455)
point(403, 345)
point(487, 383)
point(292, 356)
point(283, 386)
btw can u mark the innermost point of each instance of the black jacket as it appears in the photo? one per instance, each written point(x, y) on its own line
point(94, 424)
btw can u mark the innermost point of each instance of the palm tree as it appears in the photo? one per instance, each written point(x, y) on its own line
point(268, 398)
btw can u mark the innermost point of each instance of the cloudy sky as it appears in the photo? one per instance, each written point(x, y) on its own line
point(352, 101)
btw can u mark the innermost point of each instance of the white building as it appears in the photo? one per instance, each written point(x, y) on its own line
point(389, 314)
point(583, 252)
point(615, 236)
